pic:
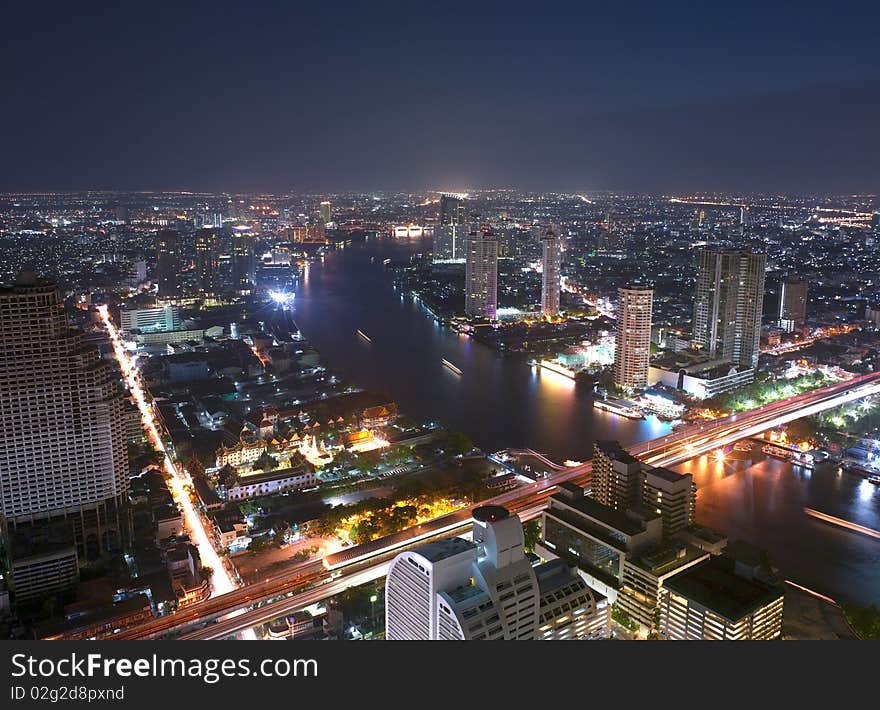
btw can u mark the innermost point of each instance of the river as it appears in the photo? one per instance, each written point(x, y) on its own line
point(501, 402)
point(498, 401)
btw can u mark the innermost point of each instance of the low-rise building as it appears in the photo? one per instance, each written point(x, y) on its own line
point(297, 477)
point(720, 599)
point(644, 574)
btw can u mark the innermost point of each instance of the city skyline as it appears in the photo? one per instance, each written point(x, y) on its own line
point(395, 321)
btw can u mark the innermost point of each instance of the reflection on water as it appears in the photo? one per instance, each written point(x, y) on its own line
point(498, 401)
point(763, 502)
point(503, 402)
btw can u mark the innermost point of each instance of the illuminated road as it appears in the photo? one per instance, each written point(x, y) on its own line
point(526, 500)
point(221, 582)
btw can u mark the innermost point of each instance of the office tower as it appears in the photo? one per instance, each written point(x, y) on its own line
point(208, 262)
point(167, 263)
point(550, 277)
point(63, 453)
point(722, 599)
point(481, 275)
point(454, 589)
point(163, 318)
point(728, 305)
point(450, 234)
point(792, 303)
point(452, 209)
point(633, 339)
point(325, 211)
point(244, 261)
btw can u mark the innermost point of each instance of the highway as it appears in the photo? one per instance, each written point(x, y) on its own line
point(345, 566)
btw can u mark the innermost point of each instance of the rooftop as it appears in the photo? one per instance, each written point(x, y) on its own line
point(714, 585)
point(609, 517)
point(443, 549)
point(613, 449)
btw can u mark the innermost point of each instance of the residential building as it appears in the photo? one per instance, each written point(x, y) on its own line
point(208, 262)
point(481, 275)
point(632, 344)
point(728, 305)
point(551, 283)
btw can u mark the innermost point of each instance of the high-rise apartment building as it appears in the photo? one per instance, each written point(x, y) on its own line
point(632, 353)
point(615, 475)
point(792, 303)
point(728, 305)
point(208, 262)
point(167, 263)
point(481, 275)
point(244, 261)
point(63, 451)
point(325, 211)
point(622, 482)
point(450, 234)
point(550, 277)
point(487, 589)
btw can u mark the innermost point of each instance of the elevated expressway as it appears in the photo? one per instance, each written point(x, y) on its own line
point(310, 582)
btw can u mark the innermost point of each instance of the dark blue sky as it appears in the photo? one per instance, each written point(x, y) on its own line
point(661, 97)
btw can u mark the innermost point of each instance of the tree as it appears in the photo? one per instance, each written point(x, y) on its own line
point(531, 535)
point(457, 443)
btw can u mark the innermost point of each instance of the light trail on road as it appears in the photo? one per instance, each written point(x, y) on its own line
point(221, 582)
point(528, 501)
point(840, 522)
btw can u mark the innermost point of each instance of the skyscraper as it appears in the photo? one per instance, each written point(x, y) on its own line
point(208, 262)
point(325, 211)
point(481, 275)
point(550, 277)
point(487, 589)
point(244, 261)
point(792, 303)
point(632, 352)
point(63, 451)
point(451, 232)
point(167, 263)
point(728, 304)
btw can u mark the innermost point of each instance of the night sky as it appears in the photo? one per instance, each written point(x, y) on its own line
point(648, 97)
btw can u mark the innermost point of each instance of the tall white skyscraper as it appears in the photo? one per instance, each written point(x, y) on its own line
point(481, 274)
point(487, 589)
point(63, 450)
point(325, 211)
point(550, 277)
point(632, 353)
point(728, 304)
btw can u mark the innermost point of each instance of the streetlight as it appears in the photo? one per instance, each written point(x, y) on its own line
point(373, 611)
